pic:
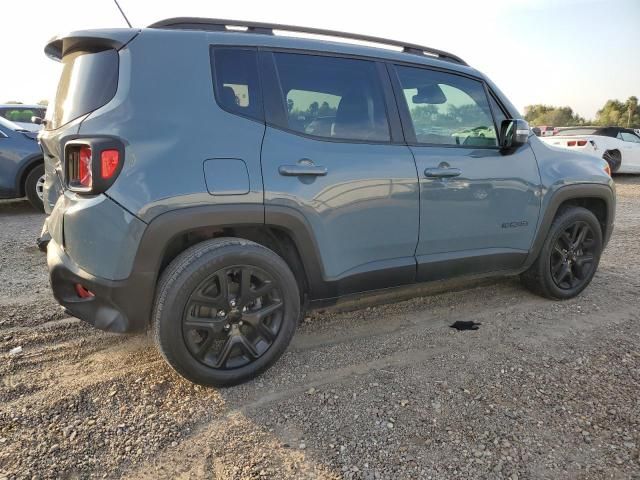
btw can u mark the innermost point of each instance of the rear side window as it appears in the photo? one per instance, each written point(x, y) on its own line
point(447, 109)
point(88, 81)
point(236, 83)
point(332, 97)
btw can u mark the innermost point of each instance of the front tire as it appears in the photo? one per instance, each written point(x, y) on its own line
point(225, 311)
point(569, 257)
point(33, 187)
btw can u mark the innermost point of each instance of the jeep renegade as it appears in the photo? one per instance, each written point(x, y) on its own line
point(211, 183)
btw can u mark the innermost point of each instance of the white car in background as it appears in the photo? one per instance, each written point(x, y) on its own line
point(620, 147)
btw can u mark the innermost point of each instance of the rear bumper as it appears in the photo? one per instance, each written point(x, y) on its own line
point(117, 305)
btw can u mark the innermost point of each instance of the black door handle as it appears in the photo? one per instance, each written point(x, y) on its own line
point(442, 172)
point(300, 170)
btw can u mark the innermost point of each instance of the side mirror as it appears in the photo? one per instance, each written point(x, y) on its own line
point(37, 120)
point(513, 133)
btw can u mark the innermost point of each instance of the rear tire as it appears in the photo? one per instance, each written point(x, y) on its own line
point(569, 257)
point(33, 185)
point(225, 311)
point(614, 159)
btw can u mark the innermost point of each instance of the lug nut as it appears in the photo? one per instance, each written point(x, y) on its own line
point(232, 303)
point(221, 313)
point(240, 323)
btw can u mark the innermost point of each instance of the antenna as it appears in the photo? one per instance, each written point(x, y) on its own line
point(125, 17)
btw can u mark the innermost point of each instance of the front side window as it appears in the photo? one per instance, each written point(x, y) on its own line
point(629, 137)
point(332, 97)
point(447, 109)
point(237, 88)
point(498, 113)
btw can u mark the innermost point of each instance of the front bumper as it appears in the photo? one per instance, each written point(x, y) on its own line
point(117, 305)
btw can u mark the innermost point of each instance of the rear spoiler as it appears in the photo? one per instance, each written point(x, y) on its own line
point(115, 38)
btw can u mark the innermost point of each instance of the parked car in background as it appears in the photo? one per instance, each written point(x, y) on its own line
point(215, 216)
point(620, 147)
point(21, 164)
point(21, 114)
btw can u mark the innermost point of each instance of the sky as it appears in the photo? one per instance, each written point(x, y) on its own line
point(576, 53)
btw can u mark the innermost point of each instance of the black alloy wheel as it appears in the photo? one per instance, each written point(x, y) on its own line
point(569, 257)
point(573, 257)
point(225, 311)
point(232, 317)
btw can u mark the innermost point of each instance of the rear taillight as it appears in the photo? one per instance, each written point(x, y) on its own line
point(109, 161)
point(571, 143)
point(83, 292)
point(93, 164)
point(85, 175)
point(582, 143)
point(607, 168)
point(79, 172)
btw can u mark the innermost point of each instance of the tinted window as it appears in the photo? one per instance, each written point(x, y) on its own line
point(236, 81)
point(447, 109)
point(88, 81)
point(332, 97)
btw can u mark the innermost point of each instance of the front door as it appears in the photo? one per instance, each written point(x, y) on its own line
point(630, 151)
point(478, 206)
point(331, 154)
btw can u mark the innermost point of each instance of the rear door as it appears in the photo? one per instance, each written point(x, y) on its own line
point(479, 206)
point(333, 152)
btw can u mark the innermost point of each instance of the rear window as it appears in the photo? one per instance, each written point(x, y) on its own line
point(88, 81)
point(577, 131)
point(21, 114)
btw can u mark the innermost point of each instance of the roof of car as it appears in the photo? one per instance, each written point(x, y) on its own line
point(309, 39)
point(263, 34)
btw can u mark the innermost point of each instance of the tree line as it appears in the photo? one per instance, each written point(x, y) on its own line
point(613, 113)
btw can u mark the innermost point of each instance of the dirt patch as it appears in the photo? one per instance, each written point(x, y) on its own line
point(540, 390)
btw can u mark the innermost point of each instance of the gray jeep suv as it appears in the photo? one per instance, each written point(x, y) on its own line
point(211, 183)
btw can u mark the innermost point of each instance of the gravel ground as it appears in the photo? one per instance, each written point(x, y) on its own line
point(541, 390)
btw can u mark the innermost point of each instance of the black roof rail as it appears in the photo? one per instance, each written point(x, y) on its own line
point(219, 25)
